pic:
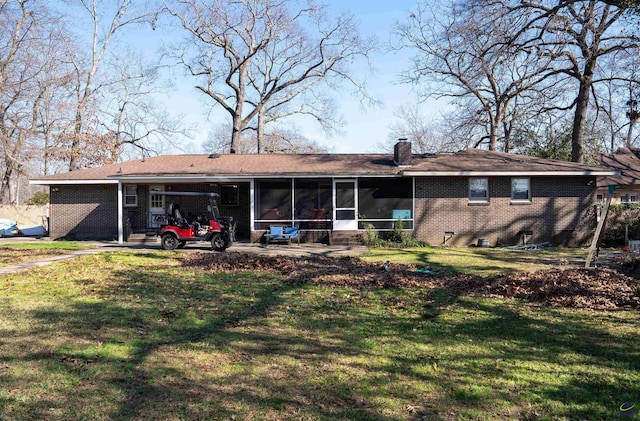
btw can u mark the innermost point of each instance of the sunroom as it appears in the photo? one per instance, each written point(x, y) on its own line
point(322, 206)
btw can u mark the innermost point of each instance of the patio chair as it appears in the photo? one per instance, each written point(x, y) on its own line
point(292, 233)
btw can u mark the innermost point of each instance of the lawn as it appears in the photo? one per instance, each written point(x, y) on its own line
point(135, 335)
point(480, 261)
point(12, 253)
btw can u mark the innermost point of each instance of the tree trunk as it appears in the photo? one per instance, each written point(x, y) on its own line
point(632, 123)
point(74, 161)
point(579, 121)
point(238, 122)
point(507, 127)
point(5, 185)
point(260, 130)
point(493, 133)
point(580, 116)
point(235, 133)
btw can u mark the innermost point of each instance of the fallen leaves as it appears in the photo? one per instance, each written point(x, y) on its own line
point(562, 287)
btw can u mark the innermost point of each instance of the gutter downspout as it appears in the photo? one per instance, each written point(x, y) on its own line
point(252, 213)
point(120, 214)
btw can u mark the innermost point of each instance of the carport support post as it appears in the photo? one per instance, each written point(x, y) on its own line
point(603, 220)
point(120, 204)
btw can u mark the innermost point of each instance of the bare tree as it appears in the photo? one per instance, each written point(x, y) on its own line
point(25, 62)
point(616, 93)
point(129, 110)
point(278, 141)
point(461, 53)
point(107, 20)
point(425, 135)
point(253, 57)
point(302, 101)
point(576, 35)
point(52, 115)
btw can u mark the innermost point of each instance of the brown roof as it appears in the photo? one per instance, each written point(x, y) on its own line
point(468, 162)
point(495, 163)
point(627, 162)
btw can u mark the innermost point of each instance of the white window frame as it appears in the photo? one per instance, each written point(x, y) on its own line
point(528, 199)
point(127, 195)
point(486, 190)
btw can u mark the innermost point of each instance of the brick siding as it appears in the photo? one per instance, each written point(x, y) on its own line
point(561, 211)
point(84, 212)
point(138, 216)
point(240, 212)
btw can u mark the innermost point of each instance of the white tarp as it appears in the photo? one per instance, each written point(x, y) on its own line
point(7, 227)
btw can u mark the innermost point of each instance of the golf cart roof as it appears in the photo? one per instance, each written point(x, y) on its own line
point(185, 193)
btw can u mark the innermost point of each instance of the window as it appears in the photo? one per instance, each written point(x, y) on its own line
point(520, 189)
point(313, 198)
point(599, 198)
point(157, 200)
point(382, 201)
point(130, 195)
point(629, 199)
point(479, 189)
point(229, 195)
point(273, 201)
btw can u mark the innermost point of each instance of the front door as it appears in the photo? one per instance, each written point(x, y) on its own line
point(156, 203)
point(345, 205)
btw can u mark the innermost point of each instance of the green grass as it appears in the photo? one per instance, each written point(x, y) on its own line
point(127, 335)
point(478, 261)
point(48, 245)
point(12, 253)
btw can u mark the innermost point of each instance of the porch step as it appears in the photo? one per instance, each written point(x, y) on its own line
point(346, 238)
point(145, 238)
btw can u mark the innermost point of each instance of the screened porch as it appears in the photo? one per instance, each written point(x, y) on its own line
point(340, 204)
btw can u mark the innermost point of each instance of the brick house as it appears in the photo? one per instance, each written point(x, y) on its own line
point(455, 199)
point(627, 162)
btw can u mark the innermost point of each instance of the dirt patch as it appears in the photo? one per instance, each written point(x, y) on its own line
point(565, 287)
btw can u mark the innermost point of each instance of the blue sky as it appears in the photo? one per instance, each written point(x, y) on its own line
point(365, 127)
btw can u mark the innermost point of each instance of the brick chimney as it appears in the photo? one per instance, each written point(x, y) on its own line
point(402, 153)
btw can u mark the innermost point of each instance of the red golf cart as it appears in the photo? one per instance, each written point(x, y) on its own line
point(176, 229)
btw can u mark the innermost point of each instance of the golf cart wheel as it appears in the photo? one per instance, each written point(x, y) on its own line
point(218, 242)
point(181, 244)
point(169, 242)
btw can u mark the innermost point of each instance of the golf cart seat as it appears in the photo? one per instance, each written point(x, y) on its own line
point(174, 212)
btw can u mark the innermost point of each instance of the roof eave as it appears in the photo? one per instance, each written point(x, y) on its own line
point(45, 182)
point(472, 173)
point(202, 178)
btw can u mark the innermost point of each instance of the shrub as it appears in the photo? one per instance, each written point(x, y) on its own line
point(38, 199)
point(396, 238)
point(619, 216)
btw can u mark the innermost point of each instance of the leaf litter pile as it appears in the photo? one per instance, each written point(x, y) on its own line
point(559, 287)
